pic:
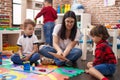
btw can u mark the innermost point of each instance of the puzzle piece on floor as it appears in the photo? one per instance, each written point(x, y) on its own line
point(6, 63)
point(69, 71)
point(3, 70)
point(37, 70)
point(12, 75)
point(5, 57)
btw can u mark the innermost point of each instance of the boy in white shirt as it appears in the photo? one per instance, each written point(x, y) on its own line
point(28, 45)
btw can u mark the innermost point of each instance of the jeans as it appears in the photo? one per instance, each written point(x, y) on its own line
point(16, 58)
point(48, 29)
point(106, 69)
point(73, 56)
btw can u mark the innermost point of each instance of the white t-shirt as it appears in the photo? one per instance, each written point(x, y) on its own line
point(63, 43)
point(27, 43)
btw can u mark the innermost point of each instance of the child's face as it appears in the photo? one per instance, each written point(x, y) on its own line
point(96, 39)
point(45, 3)
point(29, 29)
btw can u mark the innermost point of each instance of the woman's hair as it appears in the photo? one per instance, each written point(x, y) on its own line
point(62, 31)
point(28, 21)
point(100, 31)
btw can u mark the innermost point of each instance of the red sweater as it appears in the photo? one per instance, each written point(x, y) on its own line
point(49, 14)
point(104, 54)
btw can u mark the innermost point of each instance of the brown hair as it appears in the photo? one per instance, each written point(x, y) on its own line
point(99, 31)
point(29, 21)
point(49, 1)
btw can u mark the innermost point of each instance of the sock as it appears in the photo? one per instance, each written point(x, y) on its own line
point(105, 78)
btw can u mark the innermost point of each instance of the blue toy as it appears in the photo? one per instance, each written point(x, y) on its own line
point(26, 66)
point(0, 58)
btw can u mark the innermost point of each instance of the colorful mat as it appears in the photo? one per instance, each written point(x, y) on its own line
point(55, 73)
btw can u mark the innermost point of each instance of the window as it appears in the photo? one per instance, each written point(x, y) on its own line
point(16, 12)
point(30, 13)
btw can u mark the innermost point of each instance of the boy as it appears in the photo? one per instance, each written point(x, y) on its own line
point(49, 15)
point(105, 61)
point(28, 45)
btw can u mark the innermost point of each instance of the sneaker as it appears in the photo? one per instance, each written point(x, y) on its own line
point(69, 63)
point(47, 61)
point(36, 63)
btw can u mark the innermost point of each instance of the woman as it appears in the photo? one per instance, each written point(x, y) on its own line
point(65, 37)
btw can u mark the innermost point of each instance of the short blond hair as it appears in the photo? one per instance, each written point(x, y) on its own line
point(28, 21)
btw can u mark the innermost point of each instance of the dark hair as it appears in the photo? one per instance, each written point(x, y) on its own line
point(99, 31)
point(49, 1)
point(62, 31)
point(28, 21)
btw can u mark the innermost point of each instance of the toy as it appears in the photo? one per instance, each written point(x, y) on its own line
point(26, 66)
point(69, 71)
point(33, 66)
point(37, 70)
point(0, 58)
point(23, 56)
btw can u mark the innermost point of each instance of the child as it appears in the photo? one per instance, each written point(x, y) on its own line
point(28, 45)
point(49, 15)
point(105, 61)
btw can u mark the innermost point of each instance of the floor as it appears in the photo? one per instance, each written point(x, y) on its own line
point(82, 65)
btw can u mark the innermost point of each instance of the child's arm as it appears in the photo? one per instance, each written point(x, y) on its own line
point(35, 49)
point(20, 52)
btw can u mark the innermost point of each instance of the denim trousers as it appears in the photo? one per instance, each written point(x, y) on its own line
point(73, 55)
point(16, 58)
point(106, 69)
point(48, 30)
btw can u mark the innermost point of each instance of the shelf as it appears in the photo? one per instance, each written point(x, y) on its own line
point(11, 37)
point(77, 14)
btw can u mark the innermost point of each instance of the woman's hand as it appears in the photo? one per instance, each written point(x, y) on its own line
point(59, 52)
point(62, 58)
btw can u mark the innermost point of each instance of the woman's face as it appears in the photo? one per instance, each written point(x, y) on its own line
point(69, 23)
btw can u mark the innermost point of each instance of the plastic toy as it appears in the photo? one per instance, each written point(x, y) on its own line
point(69, 71)
point(0, 58)
point(33, 66)
point(26, 66)
point(36, 71)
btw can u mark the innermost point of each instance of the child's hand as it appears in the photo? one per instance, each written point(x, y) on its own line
point(90, 64)
point(26, 58)
point(22, 57)
point(87, 71)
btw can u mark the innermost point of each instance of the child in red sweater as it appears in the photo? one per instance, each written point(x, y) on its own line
point(105, 61)
point(50, 15)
